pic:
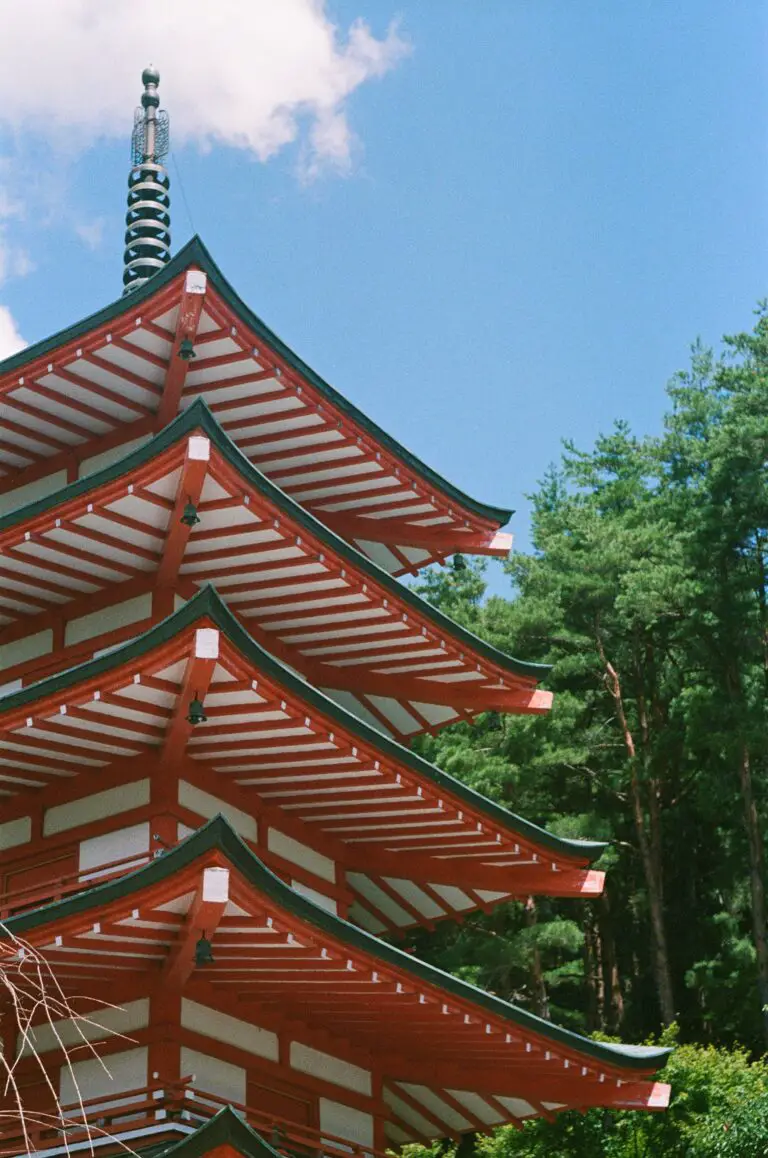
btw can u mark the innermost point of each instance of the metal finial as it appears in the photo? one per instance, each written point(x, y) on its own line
point(148, 220)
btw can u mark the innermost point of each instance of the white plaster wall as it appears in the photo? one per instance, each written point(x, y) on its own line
point(331, 1069)
point(206, 805)
point(102, 1023)
point(94, 1078)
point(313, 895)
point(346, 1122)
point(518, 1107)
point(107, 457)
point(15, 832)
point(436, 1108)
point(406, 1113)
point(12, 500)
point(301, 854)
point(454, 897)
point(108, 619)
point(95, 807)
point(222, 1027)
point(417, 897)
point(213, 1076)
point(119, 845)
point(478, 1106)
point(31, 647)
point(381, 900)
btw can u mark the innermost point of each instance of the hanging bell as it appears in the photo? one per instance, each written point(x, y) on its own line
point(187, 350)
point(196, 714)
point(190, 517)
point(203, 952)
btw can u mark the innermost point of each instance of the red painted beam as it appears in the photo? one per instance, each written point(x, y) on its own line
point(190, 488)
point(470, 694)
point(197, 678)
point(202, 920)
point(405, 534)
point(538, 880)
point(190, 311)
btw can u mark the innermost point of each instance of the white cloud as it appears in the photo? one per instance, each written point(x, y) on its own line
point(11, 340)
point(92, 233)
point(255, 75)
point(14, 259)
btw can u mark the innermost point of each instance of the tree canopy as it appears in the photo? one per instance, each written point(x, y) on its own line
point(646, 590)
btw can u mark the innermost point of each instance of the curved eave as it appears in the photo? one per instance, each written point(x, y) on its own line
point(226, 1128)
point(195, 253)
point(198, 417)
point(218, 836)
point(207, 605)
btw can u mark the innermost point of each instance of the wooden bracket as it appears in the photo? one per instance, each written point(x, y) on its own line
point(191, 482)
point(187, 323)
point(203, 919)
point(197, 679)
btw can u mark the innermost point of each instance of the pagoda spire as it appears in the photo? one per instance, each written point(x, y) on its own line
point(148, 219)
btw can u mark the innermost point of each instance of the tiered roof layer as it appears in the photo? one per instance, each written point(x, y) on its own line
point(117, 376)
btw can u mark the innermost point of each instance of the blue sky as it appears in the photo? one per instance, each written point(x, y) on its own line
point(546, 204)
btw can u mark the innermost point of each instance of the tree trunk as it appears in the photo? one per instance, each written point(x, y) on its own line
point(593, 971)
point(611, 979)
point(756, 881)
point(649, 847)
point(762, 603)
point(539, 995)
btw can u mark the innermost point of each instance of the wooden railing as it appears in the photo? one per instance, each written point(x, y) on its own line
point(16, 900)
point(133, 1112)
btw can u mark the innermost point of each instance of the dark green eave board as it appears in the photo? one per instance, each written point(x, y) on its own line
point(199, 417)
point(225, 1128)
point(217, 835)
point(209, 605)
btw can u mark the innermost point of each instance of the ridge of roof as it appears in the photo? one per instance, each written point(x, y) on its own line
point(195, 251)
point(207, 603)
point(217, 834)
point(224, 1126)
point(199, 415)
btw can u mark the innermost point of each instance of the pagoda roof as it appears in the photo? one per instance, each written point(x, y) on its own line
point(226, 1128)
point(304, 592)
point(417, 844)
point(116, 375)
point(274, 949)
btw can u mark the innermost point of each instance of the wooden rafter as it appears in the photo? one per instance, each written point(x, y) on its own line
point(126, 373)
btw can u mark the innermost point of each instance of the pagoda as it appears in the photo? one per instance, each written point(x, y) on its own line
point(210, 817)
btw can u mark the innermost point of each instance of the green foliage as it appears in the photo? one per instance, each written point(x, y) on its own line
point(646, 590)
point(718, 1109)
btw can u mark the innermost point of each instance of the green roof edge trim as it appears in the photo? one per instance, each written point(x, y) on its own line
point(199, 416)
point(196, 251)
point(208, 602)
point(224, 1126)
point(219, 835)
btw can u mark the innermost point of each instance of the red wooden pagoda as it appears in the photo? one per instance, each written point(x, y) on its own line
point(208, 814)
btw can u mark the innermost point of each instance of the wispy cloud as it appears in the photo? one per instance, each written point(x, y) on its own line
point(92, 234)
point(11, 340)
